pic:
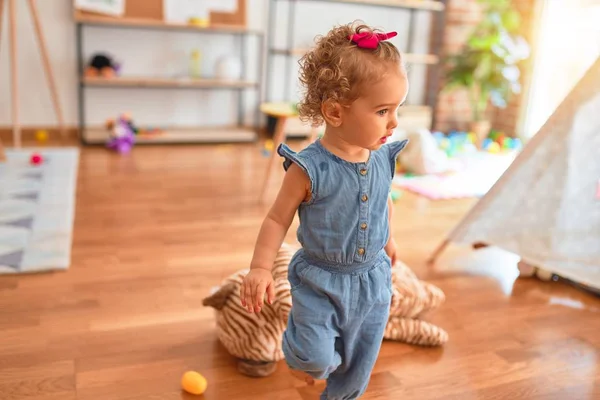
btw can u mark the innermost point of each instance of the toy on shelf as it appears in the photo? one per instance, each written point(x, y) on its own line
point(127, 124)
point(122, 135)
point(195, 64)
point(228, 68)
point(199, 22)
point(102, 65)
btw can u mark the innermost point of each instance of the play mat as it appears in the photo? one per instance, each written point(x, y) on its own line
point(470, 175)
point(37, 204)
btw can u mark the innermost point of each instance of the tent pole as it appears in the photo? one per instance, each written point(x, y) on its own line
point(441, 247)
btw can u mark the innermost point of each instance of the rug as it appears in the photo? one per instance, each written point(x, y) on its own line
point(471, 175)
point(37, 206)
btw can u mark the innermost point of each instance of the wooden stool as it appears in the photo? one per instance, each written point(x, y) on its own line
point(283, 112)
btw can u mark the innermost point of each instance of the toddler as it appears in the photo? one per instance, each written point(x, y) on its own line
point(340, 185)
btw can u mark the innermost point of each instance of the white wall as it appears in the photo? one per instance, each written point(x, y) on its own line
point(147, 52)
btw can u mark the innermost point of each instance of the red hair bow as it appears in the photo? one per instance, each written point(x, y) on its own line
point(367, 40)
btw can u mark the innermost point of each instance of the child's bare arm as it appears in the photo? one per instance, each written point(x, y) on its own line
point(294, 190)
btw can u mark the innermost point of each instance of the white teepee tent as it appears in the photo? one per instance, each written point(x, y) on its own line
point(546, 206)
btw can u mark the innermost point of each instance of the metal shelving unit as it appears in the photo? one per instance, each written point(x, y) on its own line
point(239, 133)
point(431, 59)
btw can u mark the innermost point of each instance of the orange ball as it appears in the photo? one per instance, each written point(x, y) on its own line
point(194, 383)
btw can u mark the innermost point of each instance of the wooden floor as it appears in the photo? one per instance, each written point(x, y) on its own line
point(155, 230)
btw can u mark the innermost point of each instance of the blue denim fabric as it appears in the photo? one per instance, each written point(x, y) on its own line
point(342, 200)
point(341, 278)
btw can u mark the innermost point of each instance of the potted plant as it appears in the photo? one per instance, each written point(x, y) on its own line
point(487, 66)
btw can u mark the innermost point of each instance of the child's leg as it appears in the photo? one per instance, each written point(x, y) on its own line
point(363, 335)
point(309, 339)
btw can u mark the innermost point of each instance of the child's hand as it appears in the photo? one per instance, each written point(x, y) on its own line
point(253, 289)
point(391, 250)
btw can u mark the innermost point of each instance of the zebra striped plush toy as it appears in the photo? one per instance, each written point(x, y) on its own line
point(255, 339)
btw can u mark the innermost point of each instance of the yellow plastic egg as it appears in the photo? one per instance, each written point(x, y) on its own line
point(194, 383)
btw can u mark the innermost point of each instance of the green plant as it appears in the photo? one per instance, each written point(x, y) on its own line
point(487, 65)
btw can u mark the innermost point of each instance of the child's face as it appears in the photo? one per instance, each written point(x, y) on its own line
point(371, 119)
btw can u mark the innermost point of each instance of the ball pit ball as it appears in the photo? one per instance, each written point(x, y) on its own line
point(486, 143)
point(194, 383)
point(494, 147)
point(269, 145)
point(41, 135)
point(445, 143)
point(36, 159)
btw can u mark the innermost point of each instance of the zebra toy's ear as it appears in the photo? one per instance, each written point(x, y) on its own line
point(217, 299)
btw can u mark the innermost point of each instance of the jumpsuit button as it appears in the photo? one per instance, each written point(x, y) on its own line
point(363, 172)
point(361, 251)
point(363, 226)
point(365, 197)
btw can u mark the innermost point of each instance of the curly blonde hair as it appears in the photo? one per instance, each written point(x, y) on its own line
point(337, 69)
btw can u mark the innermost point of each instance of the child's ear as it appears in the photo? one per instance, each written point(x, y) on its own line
point(332, 112)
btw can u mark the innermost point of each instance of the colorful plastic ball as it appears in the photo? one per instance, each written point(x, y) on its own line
point(517, 144)
point(493, 147)
point(194, 383)
point(472, 137)
point(269, 145)
point(438, 136)
point(395, 194)
point(508, 142)
point(469, 148)
point(41, 135)
point(486, 143)
point(36, 159)
point(445, 143)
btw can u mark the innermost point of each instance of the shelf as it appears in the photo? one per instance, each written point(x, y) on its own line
point(157, 24)
point(410, 58)
point(149, 82)
point(429, 5)
point(181, 135)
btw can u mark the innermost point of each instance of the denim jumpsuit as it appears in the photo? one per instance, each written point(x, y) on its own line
point(341, 277)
